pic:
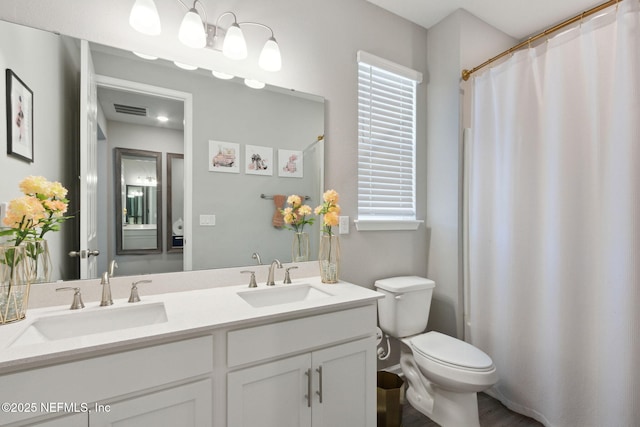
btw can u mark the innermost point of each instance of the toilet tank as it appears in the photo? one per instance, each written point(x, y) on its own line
point(404, 310)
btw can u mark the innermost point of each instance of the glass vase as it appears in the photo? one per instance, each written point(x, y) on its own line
point(300, 247)
point(38, 260)
point(329, 258)
point(14, 283)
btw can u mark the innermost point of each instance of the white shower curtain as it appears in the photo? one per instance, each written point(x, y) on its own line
point(554, 224)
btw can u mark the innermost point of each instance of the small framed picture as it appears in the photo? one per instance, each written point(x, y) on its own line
point(224, 157)
point(290, 163)
point(19, 118)
point(258, 160)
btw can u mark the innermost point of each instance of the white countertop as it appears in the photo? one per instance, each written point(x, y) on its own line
point(188, 313)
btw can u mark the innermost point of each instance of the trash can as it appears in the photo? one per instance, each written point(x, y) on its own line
point(389, 393)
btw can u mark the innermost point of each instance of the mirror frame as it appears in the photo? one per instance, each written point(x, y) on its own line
point(119, 153)
point(170, 247)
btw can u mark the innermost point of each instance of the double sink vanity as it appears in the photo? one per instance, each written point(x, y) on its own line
point(214, 353)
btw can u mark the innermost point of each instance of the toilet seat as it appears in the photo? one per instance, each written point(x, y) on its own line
point(451, 352)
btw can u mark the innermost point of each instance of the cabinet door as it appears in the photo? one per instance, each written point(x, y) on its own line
point(345, 385)
point(271, 395)
point(185, 406)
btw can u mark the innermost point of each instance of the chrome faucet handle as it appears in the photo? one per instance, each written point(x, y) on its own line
point(77, 297)
point(135, 297)
point(252, 279)
point(287, 277)
point(106, 290)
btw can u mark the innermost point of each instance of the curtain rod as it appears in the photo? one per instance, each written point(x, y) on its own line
point(467, 73)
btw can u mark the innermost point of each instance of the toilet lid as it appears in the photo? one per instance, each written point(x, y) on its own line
point(451, 351)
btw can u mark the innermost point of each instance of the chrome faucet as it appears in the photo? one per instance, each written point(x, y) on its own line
point(270, 281)
point(106, 290)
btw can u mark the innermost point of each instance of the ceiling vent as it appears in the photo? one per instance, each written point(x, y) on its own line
point(128, 109)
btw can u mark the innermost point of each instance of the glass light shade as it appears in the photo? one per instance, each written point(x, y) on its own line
point(223, 76)
point(234, 45)
point(192, 32)
point(270, 59)
point(144, 17)
point(254, 84)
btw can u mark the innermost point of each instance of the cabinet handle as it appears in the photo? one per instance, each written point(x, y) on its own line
point(308, 395)
point(319, 392)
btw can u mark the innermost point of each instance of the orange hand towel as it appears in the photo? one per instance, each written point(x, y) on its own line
point(278, 220)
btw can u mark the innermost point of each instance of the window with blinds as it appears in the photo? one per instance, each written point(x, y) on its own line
point(386, 140)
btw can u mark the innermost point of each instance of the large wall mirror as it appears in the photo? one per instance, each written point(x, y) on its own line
point(274, 119)
point(138, 191)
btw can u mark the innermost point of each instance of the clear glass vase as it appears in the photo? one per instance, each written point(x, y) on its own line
point(39, 265)
point(14, 283)
point(300, 247)
point(329, 258)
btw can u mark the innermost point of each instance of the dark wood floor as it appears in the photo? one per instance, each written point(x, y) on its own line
point(492, 414)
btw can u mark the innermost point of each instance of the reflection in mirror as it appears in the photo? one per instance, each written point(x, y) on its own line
point(175, 202)
point(138, 201)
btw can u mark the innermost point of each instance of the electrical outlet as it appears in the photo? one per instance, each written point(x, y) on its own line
point(343, 225)
point(208, 220)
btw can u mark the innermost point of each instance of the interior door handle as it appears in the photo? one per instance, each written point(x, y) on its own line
point(84, 253)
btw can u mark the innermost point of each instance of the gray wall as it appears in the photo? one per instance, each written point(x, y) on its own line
point(54, 124)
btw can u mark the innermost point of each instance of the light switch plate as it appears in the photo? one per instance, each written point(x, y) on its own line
point(343, 225)
point(208, 220)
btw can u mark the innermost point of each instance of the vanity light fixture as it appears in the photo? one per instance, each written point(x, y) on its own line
point(162, 119)
point(196, 33)
point(144, 17)
point(192, 30)
point(234, 45)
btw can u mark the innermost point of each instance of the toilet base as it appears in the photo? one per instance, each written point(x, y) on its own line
point(447, 408)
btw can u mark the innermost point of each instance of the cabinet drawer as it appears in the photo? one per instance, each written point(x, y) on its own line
point(291, 336)
point(104, 377)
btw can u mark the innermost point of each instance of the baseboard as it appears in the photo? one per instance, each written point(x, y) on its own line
point(395, 369)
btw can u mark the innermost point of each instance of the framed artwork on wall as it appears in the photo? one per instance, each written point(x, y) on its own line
point(259, 160)
point(19, 118)
point(290, 163)
point(224, 157)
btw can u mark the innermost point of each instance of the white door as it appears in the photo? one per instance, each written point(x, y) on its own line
point(88, 165)
point(275, 394)
point(344, 385)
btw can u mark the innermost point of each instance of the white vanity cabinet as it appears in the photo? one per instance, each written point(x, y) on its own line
point(138, 387)
point(324, 373)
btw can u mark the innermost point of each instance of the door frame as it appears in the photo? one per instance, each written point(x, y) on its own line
point(187, 99)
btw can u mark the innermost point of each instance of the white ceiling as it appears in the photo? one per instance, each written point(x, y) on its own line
point(517, 18)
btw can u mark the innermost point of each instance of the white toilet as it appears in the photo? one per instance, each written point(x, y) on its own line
point(443, 373)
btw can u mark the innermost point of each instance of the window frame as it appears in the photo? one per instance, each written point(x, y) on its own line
point(384, 221)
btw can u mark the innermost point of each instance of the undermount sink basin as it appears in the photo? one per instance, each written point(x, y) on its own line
point(286, 294)
point(80, 323)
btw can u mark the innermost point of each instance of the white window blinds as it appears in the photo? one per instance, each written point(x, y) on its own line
point(386, 139)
